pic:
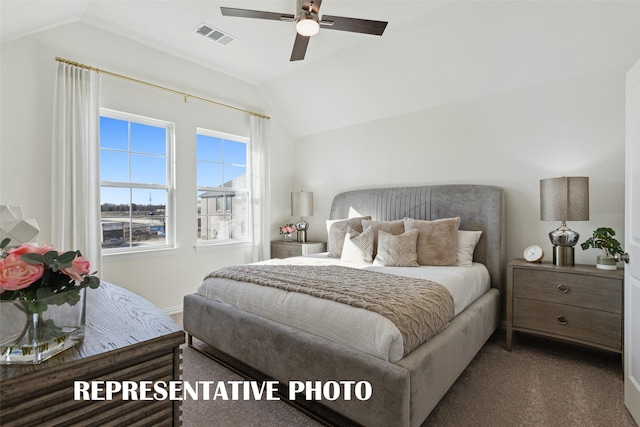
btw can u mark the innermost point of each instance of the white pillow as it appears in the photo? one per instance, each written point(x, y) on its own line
point(467, 241)
point(358, 247)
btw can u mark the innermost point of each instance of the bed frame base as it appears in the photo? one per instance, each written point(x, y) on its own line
point(404, 393)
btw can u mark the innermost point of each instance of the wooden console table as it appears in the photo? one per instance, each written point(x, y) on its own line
point(126, 338)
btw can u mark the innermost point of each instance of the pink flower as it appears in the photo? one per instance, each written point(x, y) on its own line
point(79, 267)
point(28, 248)
point(16, 274)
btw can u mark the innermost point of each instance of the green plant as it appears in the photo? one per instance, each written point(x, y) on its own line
point(603, 239)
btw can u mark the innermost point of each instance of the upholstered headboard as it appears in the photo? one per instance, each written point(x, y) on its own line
point(480, 207)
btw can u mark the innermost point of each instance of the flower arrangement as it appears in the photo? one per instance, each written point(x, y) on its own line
point(31, 273)
point(288, 229)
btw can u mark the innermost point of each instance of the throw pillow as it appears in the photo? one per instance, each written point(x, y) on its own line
point(397, 251)
point(337, 230)
point(467, 241)
point(394, 227)
point(437, 240)
point(358, 247)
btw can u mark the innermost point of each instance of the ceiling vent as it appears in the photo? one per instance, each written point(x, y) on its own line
point(206, 30)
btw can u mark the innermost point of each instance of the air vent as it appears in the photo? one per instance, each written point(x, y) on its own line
point(206, 30)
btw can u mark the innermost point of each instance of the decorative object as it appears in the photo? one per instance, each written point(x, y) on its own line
point(42, 302)
point(533, 253)
point(14, 227)
point(287, 230)
point(603, 239)
point(302, 205)
point(564, 199)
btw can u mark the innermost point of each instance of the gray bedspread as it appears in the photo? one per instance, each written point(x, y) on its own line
point(419, 308)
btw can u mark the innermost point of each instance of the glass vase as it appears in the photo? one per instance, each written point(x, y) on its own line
point(289, 237)
point(31, 336)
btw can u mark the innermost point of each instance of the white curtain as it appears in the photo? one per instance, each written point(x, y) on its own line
point(75, 192)
point(259, 167)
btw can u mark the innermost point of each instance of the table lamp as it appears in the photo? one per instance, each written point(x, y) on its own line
point(564, 199)
point(302, 205)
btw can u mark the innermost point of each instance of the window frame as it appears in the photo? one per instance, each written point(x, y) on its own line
point(169, 186)
point(221, 205)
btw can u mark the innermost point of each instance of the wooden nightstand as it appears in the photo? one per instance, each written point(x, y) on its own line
point(284, 249)
point(581, 304)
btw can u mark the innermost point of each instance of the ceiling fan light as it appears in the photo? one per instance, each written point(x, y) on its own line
point(307, 27)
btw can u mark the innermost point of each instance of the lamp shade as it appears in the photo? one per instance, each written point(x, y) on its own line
point(564, 199)
point(302, 203)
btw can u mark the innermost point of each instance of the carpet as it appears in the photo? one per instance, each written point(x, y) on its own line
point(541, 383)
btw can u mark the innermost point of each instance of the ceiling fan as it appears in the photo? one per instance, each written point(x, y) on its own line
point(308, 23)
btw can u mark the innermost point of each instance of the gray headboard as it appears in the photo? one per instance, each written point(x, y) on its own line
point(480, 207)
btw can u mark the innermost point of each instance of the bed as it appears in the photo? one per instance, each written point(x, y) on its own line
point(405, 388)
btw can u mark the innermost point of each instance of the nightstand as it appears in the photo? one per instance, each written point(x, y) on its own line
point(581, 303)
point(284, 249)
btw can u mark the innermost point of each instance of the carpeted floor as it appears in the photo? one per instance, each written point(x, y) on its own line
point(539, 383)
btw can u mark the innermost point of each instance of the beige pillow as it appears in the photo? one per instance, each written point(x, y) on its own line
point(397, 251)
point(358, 247)
point(437, 240)
point(467, 241)
point(394, 227)
point(337, 230)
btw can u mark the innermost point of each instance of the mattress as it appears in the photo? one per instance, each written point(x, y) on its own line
point(357, 328)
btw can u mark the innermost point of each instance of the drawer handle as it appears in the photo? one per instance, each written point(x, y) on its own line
point(562, 320)
point(563, 288)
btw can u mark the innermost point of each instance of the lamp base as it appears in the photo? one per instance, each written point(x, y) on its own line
point(302, 226)
point(563, 255)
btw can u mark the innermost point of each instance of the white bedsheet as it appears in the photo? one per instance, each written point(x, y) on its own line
point(357, 328)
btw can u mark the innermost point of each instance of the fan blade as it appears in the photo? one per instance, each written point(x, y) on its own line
point(299, 47)
point(315, 7)
point(256, 14)
point(353, 25)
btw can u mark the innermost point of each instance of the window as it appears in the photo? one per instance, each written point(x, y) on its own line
point(223, 195)
point(136, 191)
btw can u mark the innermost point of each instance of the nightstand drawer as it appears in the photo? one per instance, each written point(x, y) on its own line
point(285, 250)
point(570, 322)
point(282, 249)
point(579, 290)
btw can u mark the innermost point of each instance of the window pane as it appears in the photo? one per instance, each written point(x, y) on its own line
point(235, 152)
point(223, 215)
point(235, 176)
point(114, 133)
point(209, 174)
point(115, 212)
point(114, 166)
point(148, 169)
point(209, 148)
point(148, 219)
point(148, 139)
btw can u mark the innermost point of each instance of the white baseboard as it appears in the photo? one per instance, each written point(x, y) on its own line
point(173, 310)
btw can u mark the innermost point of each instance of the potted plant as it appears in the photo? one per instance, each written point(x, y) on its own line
point(603, 239)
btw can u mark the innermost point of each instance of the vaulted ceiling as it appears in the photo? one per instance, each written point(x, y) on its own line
point(432, 52)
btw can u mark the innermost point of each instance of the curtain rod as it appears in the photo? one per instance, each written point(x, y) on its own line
point(177, 92)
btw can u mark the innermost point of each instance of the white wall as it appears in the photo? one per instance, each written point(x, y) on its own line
point(27, 78)
point(511, 139)
point(572, 127)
